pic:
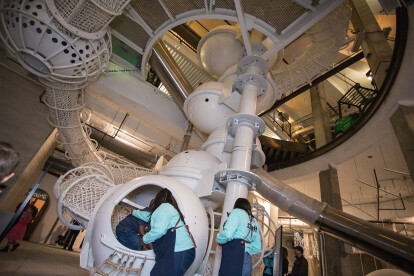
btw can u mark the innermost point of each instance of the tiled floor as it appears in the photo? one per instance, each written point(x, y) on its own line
point(37, 259)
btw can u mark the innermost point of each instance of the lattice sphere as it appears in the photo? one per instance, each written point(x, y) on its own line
point(46, 48)
point(87, 19)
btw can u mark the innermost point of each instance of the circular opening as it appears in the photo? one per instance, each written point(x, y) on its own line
point(206, 100)
point(34, 64)
point(138, 199)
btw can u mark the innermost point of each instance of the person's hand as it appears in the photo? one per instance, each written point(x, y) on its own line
point(127, 211)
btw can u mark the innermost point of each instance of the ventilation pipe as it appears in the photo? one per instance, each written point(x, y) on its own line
point(169, 73)
point(177, 85)
point(379, 242)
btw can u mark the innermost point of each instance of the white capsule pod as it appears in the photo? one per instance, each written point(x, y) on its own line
point(100, 241)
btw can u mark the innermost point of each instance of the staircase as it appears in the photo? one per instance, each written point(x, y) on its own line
point(279, 151)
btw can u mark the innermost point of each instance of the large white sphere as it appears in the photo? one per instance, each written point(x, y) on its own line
point(100, 240)
point(388, 272)
point(45, 48)
point(188, 166)
point(193, 167)
point(220, 49)
point(204, 109)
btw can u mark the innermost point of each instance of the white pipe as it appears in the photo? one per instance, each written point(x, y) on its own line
point(248, 99)
point(241, 157)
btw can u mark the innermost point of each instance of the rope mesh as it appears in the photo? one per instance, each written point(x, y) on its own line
point(327, 37)
point(88, 16)
point(64, 112)
point(97, 172)
point(80, 189)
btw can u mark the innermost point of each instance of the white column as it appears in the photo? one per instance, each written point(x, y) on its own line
point(240, 160)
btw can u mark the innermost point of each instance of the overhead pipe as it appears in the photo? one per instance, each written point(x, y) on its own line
point(309, 129)
point(172, 78)
point(379, 242)
point(167, 70)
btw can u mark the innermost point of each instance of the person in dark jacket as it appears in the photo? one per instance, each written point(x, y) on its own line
point(285, 262)
point(73, 234)
point(300, 266)
point(130, 231)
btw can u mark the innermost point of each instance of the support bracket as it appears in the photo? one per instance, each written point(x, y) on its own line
point(248, 178)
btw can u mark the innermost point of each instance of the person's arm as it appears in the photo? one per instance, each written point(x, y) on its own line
point(229, 228)
point(143, 215)
point(141, 230)
point(159, 225)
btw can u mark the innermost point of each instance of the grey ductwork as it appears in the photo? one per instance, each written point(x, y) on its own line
point(382, 243)
point(169, 73)
point(289, 199)
point(172, 78)
point(309, 129)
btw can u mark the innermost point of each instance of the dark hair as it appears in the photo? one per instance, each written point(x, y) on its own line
point(300, 248)
point(9, 159)
point(285, 252)
point(34, 210)
point(243, 204)
point(164, 196)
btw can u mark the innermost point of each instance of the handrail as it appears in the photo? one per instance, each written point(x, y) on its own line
point(383, 243)
point(397, 58)
point(282, 126)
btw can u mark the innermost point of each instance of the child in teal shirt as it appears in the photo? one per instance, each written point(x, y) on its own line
point(240, 238)
point(173, 244)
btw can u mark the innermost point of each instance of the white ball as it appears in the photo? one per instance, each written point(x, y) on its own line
point(203, 107)
point(388, 272)
point(100, 240)
point(219, 50)
point(188, 166)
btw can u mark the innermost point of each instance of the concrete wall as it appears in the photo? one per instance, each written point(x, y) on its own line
point(50, 216)
point(153, 117)
point(23, 121)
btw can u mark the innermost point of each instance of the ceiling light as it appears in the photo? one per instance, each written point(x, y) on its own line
point(369, 75)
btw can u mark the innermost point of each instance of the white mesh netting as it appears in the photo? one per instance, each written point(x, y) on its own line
point(86, 18)
point(326, 37)
point(80, 189)
point(46, 48)
point(117, 215)
point(64, 112)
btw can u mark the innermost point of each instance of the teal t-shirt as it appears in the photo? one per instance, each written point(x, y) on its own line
point(237, 227)
point(268, 262)
point(164, 218)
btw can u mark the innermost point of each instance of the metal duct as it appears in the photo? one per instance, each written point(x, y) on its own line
point(169, 73)
point(379, 242)
point(309, 129)
point(167, 70)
